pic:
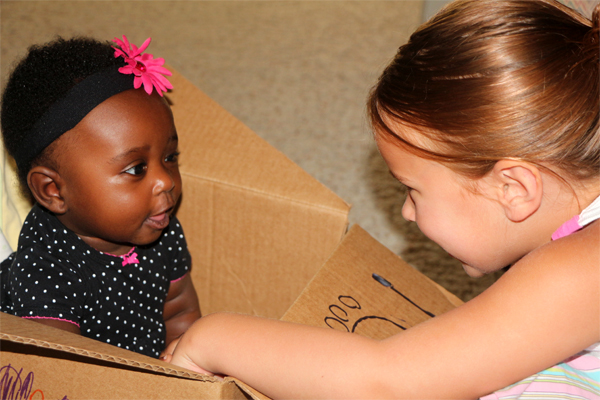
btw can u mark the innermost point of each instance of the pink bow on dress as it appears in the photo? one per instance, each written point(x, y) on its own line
point(130, 259)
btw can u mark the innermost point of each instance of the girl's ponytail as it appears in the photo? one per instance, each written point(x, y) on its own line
point(596, 22)
point(591, 41)
point(486, 80)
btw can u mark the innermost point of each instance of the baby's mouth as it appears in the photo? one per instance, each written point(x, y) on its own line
point(159, 221)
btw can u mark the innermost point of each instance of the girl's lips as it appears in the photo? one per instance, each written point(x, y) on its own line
point(159, 221)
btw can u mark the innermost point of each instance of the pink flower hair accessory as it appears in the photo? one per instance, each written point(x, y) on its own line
point(147, 69)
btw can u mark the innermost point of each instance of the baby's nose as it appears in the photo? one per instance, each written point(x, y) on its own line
point(164, 182)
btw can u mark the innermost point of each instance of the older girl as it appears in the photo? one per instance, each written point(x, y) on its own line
point(489, 115)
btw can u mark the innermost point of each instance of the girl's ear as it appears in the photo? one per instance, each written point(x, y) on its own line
point(45, 183)
point(518, 187)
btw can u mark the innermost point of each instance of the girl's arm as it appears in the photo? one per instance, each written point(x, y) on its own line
point(543, 310)
point(181, 307)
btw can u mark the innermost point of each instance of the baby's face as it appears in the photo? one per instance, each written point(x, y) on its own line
point(120, 172)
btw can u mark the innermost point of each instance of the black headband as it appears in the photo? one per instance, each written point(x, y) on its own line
point(64, 114)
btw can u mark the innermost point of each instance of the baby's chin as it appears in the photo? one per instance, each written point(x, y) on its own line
point(148, 238)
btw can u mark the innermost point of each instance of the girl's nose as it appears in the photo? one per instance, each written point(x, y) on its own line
point(408, 209)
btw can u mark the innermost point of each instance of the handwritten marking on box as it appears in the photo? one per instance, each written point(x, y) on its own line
point(18, 385)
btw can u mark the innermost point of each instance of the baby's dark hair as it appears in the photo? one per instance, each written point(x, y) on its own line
point(41, 78)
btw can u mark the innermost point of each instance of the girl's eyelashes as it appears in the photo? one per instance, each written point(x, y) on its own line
point(137, 169)
point(408, 188)
point(400, 181)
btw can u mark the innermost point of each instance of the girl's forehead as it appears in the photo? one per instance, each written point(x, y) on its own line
point(407, 141)
point(406, 134)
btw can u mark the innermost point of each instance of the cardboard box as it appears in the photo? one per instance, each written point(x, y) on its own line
point(266, 239)
point(366, 289)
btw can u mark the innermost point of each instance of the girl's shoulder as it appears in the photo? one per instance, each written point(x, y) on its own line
point(559, 284)
point(567, 266)
point(579, 252)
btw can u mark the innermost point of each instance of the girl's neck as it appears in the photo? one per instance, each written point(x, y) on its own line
point(563, 202)
point(587, 194)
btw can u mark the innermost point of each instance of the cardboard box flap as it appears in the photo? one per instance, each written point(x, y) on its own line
point(218, 147)
point(250, 391)
point(367, 289)
point(262, 227)
point(19, 330)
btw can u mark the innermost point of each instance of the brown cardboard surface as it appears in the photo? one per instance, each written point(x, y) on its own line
point(37, 361)
point(20, 330)
point(48, 374)
point(258, 226)
point(344, 294)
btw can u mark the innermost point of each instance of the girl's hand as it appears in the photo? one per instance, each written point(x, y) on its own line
point(181, 359)
point(167, 354)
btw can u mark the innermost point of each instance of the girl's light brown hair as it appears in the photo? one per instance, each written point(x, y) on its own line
point(486, 80)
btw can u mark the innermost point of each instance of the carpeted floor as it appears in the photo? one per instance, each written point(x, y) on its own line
point(296, 72)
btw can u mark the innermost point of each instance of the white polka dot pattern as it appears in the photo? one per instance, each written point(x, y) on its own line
point(55, 274)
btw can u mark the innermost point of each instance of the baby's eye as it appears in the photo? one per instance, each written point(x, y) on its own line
point(137, 169)
point(173, 157)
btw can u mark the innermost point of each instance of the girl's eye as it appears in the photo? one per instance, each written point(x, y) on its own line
point(408, 188)
point(174, 157)
point(137, 169)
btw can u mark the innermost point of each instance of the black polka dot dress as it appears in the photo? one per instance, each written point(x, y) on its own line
point(117, 300)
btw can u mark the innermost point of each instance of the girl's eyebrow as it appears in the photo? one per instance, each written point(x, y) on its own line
point(397, 177)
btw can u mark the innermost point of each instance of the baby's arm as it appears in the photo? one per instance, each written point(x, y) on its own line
point(538, 314)
point(181, 307)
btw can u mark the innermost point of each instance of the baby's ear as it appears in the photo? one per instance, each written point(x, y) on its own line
point(518, 188)
point(45, 184)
